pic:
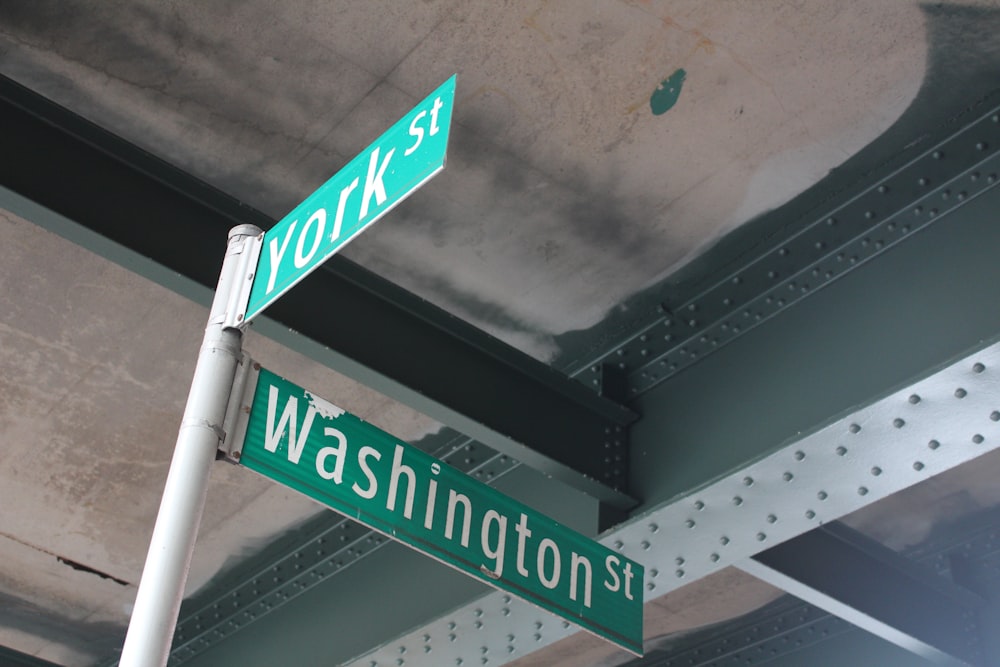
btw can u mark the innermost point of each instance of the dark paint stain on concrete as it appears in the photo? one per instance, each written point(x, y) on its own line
point(86, 568)
point(666, 94)
point(579, 213)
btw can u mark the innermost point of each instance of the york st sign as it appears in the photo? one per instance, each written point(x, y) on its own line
point(369, 186)
point(306, 443)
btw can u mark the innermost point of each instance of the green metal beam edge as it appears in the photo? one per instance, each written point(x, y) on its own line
point(9, 656)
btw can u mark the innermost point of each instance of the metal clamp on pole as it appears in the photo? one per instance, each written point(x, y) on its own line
point(158, 601)
point(246, 268)
point(238, 411)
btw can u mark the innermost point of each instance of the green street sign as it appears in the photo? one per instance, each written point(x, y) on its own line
point(304, 442)
point(406, 156)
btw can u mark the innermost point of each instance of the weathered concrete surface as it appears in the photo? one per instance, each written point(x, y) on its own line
point(560, 171)
point(96, 365)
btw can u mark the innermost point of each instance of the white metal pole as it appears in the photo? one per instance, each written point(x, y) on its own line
point(161, 589)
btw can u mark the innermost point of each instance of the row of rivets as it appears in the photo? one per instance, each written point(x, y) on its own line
point(824, 251)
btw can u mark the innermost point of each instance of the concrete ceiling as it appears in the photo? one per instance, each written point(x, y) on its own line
point(568, 158)
point(598, 148)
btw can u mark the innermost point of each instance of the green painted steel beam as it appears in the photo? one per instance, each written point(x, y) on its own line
point(919, 305)
point(11, 658)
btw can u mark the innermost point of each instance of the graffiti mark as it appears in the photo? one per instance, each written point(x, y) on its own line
point(666, 94)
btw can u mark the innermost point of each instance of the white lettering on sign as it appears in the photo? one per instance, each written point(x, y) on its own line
point(272, 435)
point(364, 454)
point(338, 220)
point(398, 469)
point(578, 562)
point(417, 132)
point(542, 560)
point(611, 563)
point(495, 552)
point(309, 238)
point(337, 474)
point(300, 259)
point(548, 545)
point(277, 253)
point(373, 182)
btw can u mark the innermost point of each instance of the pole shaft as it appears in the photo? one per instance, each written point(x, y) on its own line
point(161, 589)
